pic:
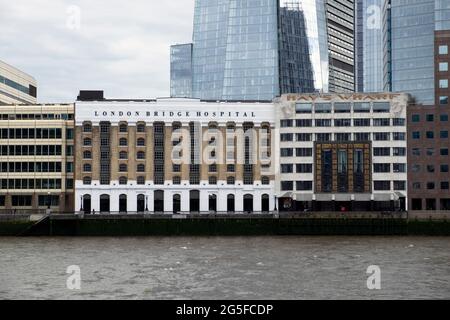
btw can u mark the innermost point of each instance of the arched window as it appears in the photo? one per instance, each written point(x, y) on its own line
point(123, 155)
point(141, 180)
point(123, 142)
point(177, 180)
point(87, 180)
point(87, 155)
point(212, 180)
point(141, 142)
point(123, 167)
point(230, 203)
point(231, 180)
point(87, 167)
point(248, 203)
point(141, 155)
point(265, 180)
point(140, 168)
point(123, 180)
point(87, 142)
point(140, 127)
point(87, 127)
point(123, 128)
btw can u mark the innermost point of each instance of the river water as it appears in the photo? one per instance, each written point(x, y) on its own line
point(225, 267)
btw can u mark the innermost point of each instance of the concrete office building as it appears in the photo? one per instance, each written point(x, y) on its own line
point(16, 87)
point(343, 152)
point(36, 158)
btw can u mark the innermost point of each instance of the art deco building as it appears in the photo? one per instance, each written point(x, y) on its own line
point(173, 155)
point(345, 152)
point(36, 158)
point(16, 87)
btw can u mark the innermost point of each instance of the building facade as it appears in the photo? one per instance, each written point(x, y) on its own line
point(429, 141)
point(181, 70)
point(16, 87)
point(37, 158)
point(174, 155)
point(345, 152)
point(257, 50)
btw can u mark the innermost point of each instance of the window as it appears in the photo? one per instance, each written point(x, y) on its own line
point(123, 128)
point(444, 152)
point(212, 180)
point(399, 152)
point(303, 108)
point(430, 117)
point(382, 185)
point(303, 137)
point(87, 155)
point(141, 142)
point(303, 152)
point(69, 133)
point(87, 167)
point(361, 107)
point(176, 180)
point(399, 136)
point(304, 168)
point(343, 123)
point(140, 168)
point(382, 136)
point(362, 136)
point(382, 167)
point(286, 137)
point(443, 66)
point(323, 108)
point(341, 137)
point(87, 180)
point(286, 123)
point(444, 134)
point(176, 168)
point(417, 186)
point(381, 122)
point(140, 180)
point(123, 142)
point(430, 152)
point(416, 152)
point(287, 185)
point(443, 100)
point(361, 122)
point(287, 168)
point(323, 123)
point(323, 137)
point(304, 185)
point(431, 185)
point(231, 180)
point(444, 168)
point(399, 167)
point(287, 152)
point(444, 117)
point(443, 84)
point(443, 49)
point(380, 107)
point(87, 142)
point(140, 128)
point(444, 185)
point(400, 185)
point(123, 155)
point(416, 135)
point(381, 152)
point(399, 122)
point(231, 168)
point(342, 107)
point(123, 167)
point(415, 168)
point(87, 128)
point(430, 168)
point(303, 123)
point(123, 180)
point(415, 118)
point(265, 180)
point(141, 155)
point(212, 168)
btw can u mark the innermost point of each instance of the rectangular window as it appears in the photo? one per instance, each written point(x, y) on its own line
point(443, 66)
point(361, 122)
point(382, 185)
point(399, 152)
point(444, 152)
point(286, 152)
point(399, 122)
point(399, 167)
point(323, 123)
point(287, 185)
point(444, 117)
point(416, 135)
point(443, 100)
point(323, 108)
point(444, 185)
point(444, 134)
point(381, 122)
point(303, 108)
point(343, 137)
point(286, 137)
point(443, 84)
point(362, 136)
point(303, 123)
point(400, 185)
point(323, 137)
point(443, 50)
point(381, 107)
point(444, 168)
point(381, 152)
point(361, 107)
point(399, 136)
point(286, 123)
point(415, 118)
point(342, 107)
point(303, 137)
point(303, 152)
point(382, 167)
point(430, 117)
point(304, 168)
point(304, 185)
point(287, 168)
point(343, 123)
point(382, 136)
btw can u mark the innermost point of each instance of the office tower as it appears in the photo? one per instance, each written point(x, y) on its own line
point(181, 70)
point(16, 87)
point(257, 50)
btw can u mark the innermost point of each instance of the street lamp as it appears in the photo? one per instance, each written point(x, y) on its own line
point(81, 201)
point(146, 203)
point(276, 200)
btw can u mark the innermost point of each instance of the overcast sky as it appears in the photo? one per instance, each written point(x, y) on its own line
point(119, 46)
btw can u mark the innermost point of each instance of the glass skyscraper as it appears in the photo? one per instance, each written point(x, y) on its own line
point(181, 70)
point(257, 49)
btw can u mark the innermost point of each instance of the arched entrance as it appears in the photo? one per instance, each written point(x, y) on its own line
point(123, 203)
point(176, 203)
point(248, 203)
point(87, 203)
point(140, 205)
point(194, 201)
point(104, 203)
point(213, 203)
point(230, 203)
point(159, 201)
point(265, 203)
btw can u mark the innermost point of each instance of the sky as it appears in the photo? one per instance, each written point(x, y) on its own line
point(121, 47)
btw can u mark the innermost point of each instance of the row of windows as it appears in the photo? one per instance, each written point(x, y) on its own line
point(21, 184)
point(360, 136)
point(26, 200)
point(429, 118)
point(31, 133)
point(344, 107)
point(36, 116)
point(308, 185)
point(387, 167)
point(430, 168)
point(379, 122)
point(34, 150)
point(34, 167)
point(299, 168)
point(386, 152)
point(416, 135)
point(177, 180)
point(444, 185)
point(429, 152)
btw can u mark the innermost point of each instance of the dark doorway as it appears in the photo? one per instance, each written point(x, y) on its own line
point(159, 201)
point(194, 201)
point(123, 203)
point(87, 204)
point(104, 203)
point(213, 203)
point(176, 203)
point(248, 203)
point(265, 206)
point(140, 203)
point(230, 203)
